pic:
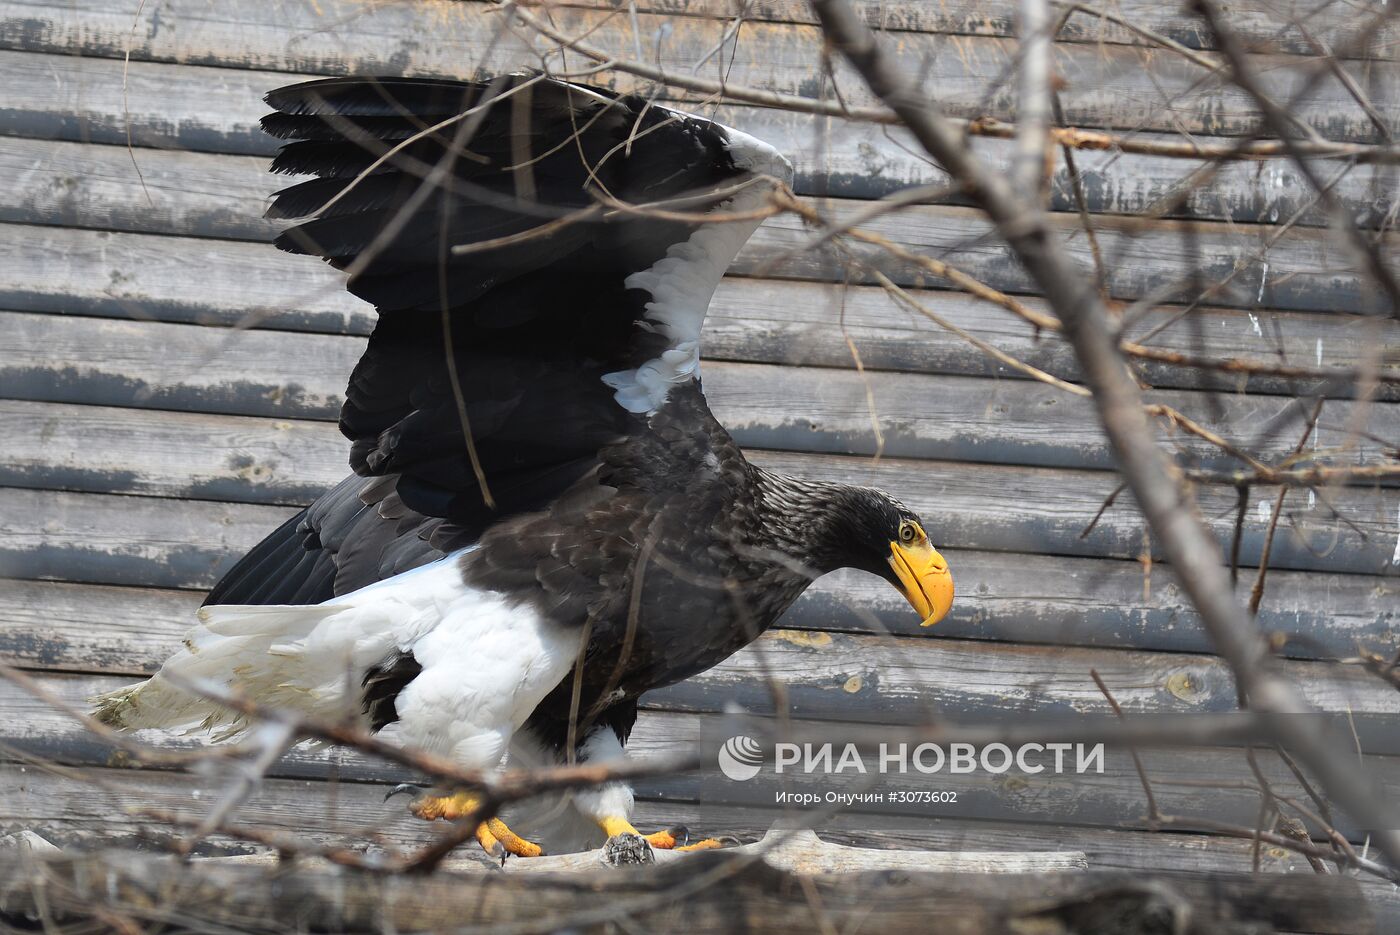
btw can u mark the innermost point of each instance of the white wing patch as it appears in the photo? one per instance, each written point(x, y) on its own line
point(683, 281)
point(486, 666)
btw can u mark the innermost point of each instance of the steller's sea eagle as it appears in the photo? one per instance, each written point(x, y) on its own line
point(544, 521)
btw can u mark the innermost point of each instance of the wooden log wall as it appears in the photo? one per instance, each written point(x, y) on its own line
point(148, 442)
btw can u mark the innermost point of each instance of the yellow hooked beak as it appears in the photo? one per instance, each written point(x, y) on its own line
point(928, 585)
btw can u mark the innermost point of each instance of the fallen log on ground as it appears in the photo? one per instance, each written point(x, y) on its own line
point(717, 891)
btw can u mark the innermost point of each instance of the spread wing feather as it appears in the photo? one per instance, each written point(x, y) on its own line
point(471, 215)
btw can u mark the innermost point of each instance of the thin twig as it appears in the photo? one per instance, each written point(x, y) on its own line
point(1075, 137)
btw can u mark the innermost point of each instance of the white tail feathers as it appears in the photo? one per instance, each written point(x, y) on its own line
point(309, 658)
point(257, 651)
point(485, 663)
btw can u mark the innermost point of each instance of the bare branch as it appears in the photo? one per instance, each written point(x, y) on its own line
point(1033, 111)
point(1169, 511)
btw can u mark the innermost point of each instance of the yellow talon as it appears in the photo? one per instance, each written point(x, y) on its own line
point(448, 807)
point(488, 842)
point(495, 838)
point(705, 845)
point(511, 841)
point(662, 840)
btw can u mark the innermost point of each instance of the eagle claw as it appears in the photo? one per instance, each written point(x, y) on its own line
point(402, 789)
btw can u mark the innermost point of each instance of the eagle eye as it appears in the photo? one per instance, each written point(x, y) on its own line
point(908, 532)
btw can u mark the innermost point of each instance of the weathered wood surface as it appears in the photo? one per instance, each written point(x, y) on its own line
point(793, 850)
point(261, 440)
point(61, 96)
point(740, 892)
point(200, 109)
point(796, 850)
point(1270, 24)
point(102, 539)
point(975, 419)
point(78, 184)
point(159, 365)
point(88, 808)
point(1002, 597)
point(170, 365)
point(993, 507)
point(1212, 783)
point(172, 278)
point(1105, 85)
point(854, 678)
point(101, 800)
point(126, 274)
point(91, 628)
point(96, 820)
point(1303, 269)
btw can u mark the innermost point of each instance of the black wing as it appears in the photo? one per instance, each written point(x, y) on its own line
point(516, 301)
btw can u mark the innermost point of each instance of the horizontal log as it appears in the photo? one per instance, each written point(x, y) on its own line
point(91, 628)
point(896, 680)
point(174, 366)
point(754, 896)
point(967, 505)
point(189, 108)
point(855, 677)
point(1302, 270)
point(157, 191)
point(104, 539)
point(1264, 24)
point(143, 275)
point(797, 850)
point(764, 406)
point(1002, 597)
point(171, 278)
point(785, 322)
point(69, 809)
point(887, 680)
point(190, 368)
point(151, 191)
point(794, 850)
point(84, 537)
point(1104, 85)
point(1202, 783)
point(67, 97)
point(71, 447)
point(139, 275)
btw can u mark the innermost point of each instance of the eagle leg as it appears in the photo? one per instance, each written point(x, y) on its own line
point(493, 834)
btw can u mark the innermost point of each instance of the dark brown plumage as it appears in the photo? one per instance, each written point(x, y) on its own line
point(518, 304)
